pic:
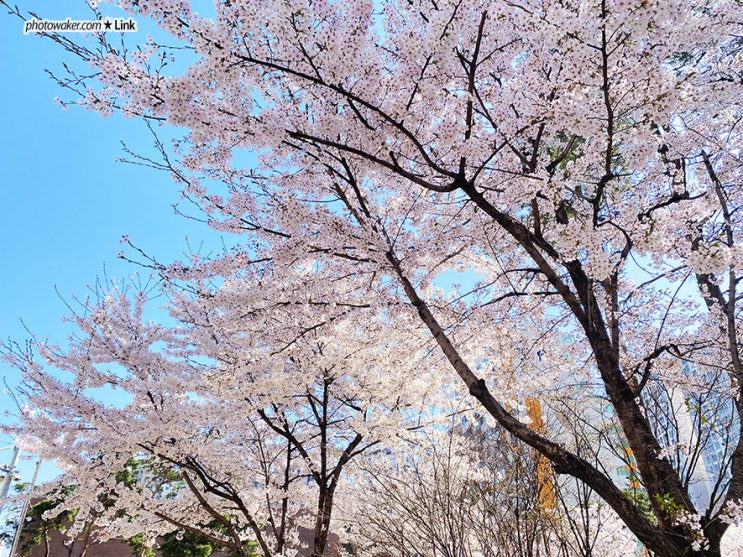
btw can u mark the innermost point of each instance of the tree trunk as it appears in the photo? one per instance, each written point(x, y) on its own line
point(86, 540)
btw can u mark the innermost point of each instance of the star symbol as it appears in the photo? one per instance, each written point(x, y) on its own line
point(107, 24)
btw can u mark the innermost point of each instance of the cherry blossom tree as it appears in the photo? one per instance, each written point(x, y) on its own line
point(578, 159)
point(211, 427)
point(451, 494)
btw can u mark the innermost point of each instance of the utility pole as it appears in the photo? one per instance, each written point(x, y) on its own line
point(22, 518)
point(9, 470)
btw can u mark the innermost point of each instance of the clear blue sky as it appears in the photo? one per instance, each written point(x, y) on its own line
point(65, 202)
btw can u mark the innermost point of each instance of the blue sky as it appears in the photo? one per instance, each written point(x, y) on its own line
point(65, 202)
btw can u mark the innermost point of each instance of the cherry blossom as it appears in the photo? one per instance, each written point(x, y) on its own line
point(579, 161)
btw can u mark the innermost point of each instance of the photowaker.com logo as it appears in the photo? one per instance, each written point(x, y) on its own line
point(69, 25)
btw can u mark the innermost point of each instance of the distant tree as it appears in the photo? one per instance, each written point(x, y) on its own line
point(179, 544)
point(41, 520)
point(230, 437)
point(185, 544)
point(466, 491)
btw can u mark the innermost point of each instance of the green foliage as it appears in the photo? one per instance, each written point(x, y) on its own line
point(126, 476)
point(668, 506)
point(640, 499)
point(248, 546)
point(184, 544)
point(139, 548)
point(568, 149)
point(162, 480)
point(37, 528)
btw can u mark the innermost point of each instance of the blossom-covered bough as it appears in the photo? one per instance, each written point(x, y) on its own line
point(208, 427)
point(580, 159)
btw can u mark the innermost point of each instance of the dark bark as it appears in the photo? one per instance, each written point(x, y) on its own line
point(663, 541)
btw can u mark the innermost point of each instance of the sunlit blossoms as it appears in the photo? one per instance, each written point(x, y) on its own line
point(536, 200)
